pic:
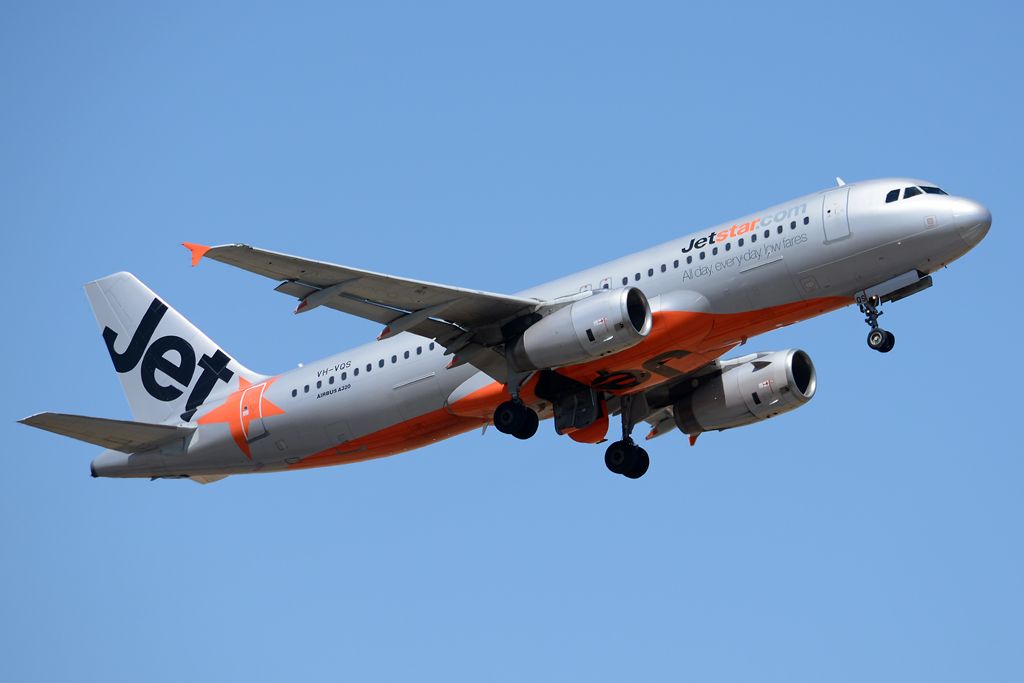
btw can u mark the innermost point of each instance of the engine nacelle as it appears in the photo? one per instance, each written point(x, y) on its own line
point(769, 385)
point(603, 323)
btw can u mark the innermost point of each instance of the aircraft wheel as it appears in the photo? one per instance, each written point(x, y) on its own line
point(528, 423)
point(878, 338)
point(507, 417)
point(641, 461)
point(617, 458)
point(890, 342)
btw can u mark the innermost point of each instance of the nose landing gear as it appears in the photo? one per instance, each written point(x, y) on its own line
point(879, 340)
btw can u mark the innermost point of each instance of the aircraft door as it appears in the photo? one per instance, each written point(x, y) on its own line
point(834, 214)
point(251, 413)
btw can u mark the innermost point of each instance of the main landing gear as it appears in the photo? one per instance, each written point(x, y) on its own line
point(625, 457)
point(515, 418)
point(878, 339)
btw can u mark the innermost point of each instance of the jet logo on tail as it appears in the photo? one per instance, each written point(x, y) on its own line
point(153, 357)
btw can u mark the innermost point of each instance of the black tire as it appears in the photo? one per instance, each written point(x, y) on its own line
point(508, 417)
point(529, 421)
point(890, 342)
point(617, 457)
point(641, 462)
point(877, 338)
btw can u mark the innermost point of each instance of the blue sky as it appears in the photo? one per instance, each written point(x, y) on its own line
point(872, 535)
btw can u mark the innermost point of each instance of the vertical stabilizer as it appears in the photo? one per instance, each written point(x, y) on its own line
point(167, 366)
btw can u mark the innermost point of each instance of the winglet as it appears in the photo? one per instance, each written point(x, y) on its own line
point(198, 251)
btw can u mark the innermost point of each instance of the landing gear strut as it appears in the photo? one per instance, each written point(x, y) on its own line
point(878, 339)
point(625, 457)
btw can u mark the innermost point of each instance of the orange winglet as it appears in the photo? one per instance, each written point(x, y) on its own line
point(198, 251)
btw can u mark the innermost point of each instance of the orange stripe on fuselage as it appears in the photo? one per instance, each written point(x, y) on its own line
point(426, 429)
point(698, 337)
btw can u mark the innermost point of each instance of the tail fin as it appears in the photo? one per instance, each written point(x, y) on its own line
point(167, 366)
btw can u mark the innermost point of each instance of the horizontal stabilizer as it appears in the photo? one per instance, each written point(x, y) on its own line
point(119, 435)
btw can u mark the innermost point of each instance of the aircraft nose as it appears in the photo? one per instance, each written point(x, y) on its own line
point(973, 220)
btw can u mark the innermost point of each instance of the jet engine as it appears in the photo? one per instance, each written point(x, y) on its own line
point(767, 385)
point(603, 323)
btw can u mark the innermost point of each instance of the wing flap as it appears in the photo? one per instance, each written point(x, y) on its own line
point(119, 435)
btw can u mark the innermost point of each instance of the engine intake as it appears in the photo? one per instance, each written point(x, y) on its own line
point(604, 323)
point(769, 385)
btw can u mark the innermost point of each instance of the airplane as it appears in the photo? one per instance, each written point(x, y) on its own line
point(641, 337)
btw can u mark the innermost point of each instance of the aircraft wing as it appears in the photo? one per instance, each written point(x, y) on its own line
point(464, 321)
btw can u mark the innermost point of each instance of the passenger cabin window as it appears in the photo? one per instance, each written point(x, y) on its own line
point(675, 264)
point(380, 363)
point(892, 196)
point(663, 267)
point(431, 347)
point(807, 220)
point(792, 226)
point(650, 272)
point(295, 392)
point(625, 281)
point(911, 192)
point(932, 190)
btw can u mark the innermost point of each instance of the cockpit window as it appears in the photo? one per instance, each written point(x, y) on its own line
point(932, 190)
point(911, 192)
point(892, 196)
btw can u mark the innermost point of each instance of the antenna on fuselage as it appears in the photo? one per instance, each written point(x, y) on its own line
point(839, 181)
